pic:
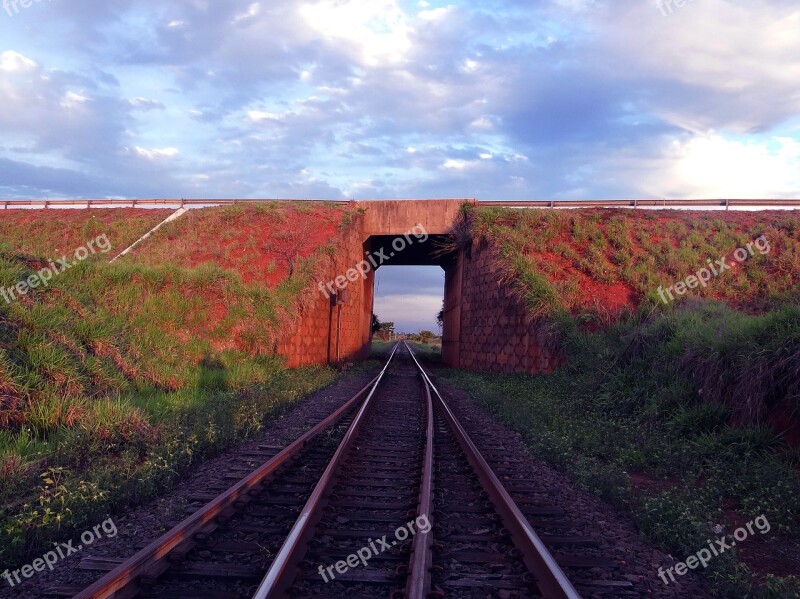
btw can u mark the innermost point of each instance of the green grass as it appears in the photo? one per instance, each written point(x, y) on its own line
point(382, 349)
point(431, 352)
point(638, 250)
point(657, 413)
point(115, 379)
point(131, 449)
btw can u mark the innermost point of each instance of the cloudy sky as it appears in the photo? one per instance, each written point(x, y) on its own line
point(500, 99)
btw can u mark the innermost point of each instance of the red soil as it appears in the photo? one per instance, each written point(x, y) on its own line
point(260, 246)
point(643, 484)
point(611, 299)
point(51, 233)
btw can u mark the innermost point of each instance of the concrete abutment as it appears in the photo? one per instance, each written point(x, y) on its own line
point(485, 326)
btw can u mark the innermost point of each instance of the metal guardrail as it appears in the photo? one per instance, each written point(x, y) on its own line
point(665, 203)
point(149, 203)
point(562, 204)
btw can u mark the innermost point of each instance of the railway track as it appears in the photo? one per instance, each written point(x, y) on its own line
point(386, 497)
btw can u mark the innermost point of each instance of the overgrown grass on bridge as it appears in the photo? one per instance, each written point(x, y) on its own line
point(116, 378)
point(599, 264)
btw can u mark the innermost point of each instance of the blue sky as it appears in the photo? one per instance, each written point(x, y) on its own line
point(409, 296)
point(507, 99)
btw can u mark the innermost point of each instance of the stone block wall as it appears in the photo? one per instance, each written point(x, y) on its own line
point(318, 325)
point(496, 332)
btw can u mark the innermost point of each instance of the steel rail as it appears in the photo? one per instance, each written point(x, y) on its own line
point(151, 562)
point(550, 578)
point(419, 580)
point(282, 571)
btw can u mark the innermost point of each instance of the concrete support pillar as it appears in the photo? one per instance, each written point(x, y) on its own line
point(451, 328)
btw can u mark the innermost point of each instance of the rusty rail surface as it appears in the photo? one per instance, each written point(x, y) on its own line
point(550, 578)
point(552, 204)
point(419, 579)
point(152, 561)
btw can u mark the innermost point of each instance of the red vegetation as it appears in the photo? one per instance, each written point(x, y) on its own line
point(260, 242)
point(51, 233)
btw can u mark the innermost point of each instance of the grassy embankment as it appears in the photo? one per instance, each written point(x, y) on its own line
point(432, 352)
point(673, 413)
point(117, 378)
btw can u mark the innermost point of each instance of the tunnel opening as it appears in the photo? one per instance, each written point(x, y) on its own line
point(409, 285)
point(409, 297)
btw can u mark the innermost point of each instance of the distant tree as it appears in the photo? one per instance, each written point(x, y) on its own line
point(376, 324)
point(385, 331)
point(426, 336)
point(440, 317)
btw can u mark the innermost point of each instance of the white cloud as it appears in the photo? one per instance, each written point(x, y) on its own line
point(482, 123)
point(437, 14)
point(746, 54)
point(470, 66)
point(145, 104)
point(252, 11)
point(703, 166)
point(259, 116)
point(712, 166)
point(378, 31)
point(14, 62)
point(73, 100)
point(458, 165)
point(156, 153)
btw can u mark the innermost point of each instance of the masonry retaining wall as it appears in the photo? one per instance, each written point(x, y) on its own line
point(496, 332)
point(323, 333)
